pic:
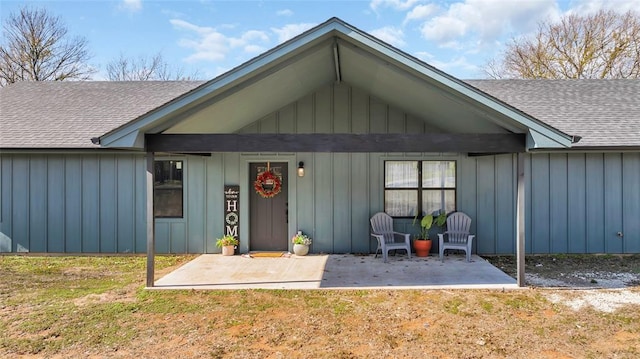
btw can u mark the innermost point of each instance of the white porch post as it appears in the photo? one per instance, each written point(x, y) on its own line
point(151, 224)
point(520, 219)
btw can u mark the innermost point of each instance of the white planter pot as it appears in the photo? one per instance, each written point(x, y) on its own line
point(228, 250)
point(300, 249)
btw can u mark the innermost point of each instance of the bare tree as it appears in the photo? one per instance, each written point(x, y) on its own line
point(145, 69)
point(36, 47)
point(603, 45)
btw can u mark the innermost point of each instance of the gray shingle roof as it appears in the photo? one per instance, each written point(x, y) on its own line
point(69, 114)
point(604, 113)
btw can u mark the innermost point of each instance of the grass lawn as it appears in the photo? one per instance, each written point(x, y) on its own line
point(97, 307)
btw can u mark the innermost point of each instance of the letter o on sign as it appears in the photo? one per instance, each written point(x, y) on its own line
point(231, 218)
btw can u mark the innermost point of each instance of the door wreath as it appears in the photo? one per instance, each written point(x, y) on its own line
point(267, 184)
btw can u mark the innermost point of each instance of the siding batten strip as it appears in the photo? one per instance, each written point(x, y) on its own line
point(150, 221)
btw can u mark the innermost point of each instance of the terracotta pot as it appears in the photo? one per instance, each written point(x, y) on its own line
point(422, 247)
point(300, 249)
point(228, 250)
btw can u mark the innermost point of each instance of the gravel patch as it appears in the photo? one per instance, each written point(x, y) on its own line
point(538, 281)
point(575, 271)
point(579, 279)
point(603, 301)
point(606, 283)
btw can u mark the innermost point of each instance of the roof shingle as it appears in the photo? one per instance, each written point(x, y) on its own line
point(605, 113)
point(69, 114)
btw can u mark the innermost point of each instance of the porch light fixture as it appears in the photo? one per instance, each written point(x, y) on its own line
point(300, 169)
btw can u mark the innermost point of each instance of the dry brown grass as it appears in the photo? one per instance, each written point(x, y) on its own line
point(49, 308)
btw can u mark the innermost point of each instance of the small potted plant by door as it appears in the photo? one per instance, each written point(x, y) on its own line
point(228, 244)
point(422, 244)
point(301, 244)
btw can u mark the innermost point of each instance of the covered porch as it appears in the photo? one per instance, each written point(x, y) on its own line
point(342, 103)
point(335, 271)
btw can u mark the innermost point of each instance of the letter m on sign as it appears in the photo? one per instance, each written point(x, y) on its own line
point(232, 230)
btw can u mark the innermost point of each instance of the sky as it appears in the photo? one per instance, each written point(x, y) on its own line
point(210, 37)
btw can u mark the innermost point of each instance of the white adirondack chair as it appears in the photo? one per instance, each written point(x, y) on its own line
point(457, 235)
point(382, 226)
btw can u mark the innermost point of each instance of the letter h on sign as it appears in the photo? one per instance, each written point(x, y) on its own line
point(232, 205)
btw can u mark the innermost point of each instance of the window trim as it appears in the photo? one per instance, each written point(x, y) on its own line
point(420, 187)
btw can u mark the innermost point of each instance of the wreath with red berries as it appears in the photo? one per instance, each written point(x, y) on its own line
point(272, 183)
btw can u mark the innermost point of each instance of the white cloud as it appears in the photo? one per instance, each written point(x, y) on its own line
point(478, 29)
point(291, 30)
point(424, 56)
point(394, 4)
point(254, 49)
point(390, 34)
point(476, 25)
point(457, 64)
point(131, 5)
point(445, 30)
point(285, 12)
point(584, 7)
point(421, 12)
point(181, 24)
point(209, 44)
point(480, 22)
point(249, 37)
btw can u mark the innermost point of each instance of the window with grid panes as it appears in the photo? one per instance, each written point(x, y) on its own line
point(419, 187)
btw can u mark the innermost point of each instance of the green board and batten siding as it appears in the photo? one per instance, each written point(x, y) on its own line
point(77, 203)
point(576, 202)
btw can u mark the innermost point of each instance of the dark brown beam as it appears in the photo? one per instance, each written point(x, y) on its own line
point(151, 223)
point(339, 142)
point(520, 219)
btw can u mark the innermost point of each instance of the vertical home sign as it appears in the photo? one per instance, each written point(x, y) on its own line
point(232, 211)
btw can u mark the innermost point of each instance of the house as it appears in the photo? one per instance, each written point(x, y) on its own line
point(372, 129)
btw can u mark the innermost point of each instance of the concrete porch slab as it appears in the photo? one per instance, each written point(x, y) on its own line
point(339, 271)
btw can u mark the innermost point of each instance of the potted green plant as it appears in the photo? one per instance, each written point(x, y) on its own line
point(422, 244)
point(228, 244)
point(301, 244)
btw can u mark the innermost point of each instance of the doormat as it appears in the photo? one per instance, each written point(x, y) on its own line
point(266, 254)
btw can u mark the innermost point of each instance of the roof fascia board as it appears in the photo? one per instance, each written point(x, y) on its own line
point(456, 85)
point(586, 149)
point(273, 56)
point(536, 140)
point(134, 139)
point(68, 151)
